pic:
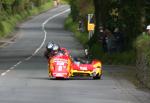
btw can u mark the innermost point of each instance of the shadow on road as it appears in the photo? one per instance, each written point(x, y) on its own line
point(62, 79)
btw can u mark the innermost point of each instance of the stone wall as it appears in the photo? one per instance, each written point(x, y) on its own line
point(143, 60)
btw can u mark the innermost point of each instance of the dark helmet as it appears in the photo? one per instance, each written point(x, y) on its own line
point(55, 49)
point(49, 46)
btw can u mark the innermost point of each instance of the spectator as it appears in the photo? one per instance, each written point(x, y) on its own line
point(58, 2)
point(81, 25)
point(118, 40)
point(109, 41)
point(102, 38)
point(148, 30)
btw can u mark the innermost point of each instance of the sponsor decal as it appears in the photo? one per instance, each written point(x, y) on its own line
point(60, 63)
point(60, 60)
point(59, 74)
point(83, 68)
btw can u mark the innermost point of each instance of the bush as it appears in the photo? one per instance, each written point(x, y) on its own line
point(5, 28)
point(73, 26)
point(126, 58)
point(143, 59)
point(120, 58)
point(9, 21)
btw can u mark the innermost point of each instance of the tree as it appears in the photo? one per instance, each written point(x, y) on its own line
point(130, 16)
point(102, 9)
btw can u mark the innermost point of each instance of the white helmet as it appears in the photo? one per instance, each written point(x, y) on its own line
point(148, 27)
point(49, 46)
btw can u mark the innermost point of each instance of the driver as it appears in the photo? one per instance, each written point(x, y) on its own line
point(49, 48)
point(53, 49)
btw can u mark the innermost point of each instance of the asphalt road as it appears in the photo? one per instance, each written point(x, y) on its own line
point(24, 76)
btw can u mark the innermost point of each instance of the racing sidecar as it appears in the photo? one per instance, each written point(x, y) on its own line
point(60, 66)
point(87, 68)
point(63, 66)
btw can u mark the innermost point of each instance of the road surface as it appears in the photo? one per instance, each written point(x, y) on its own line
point(24, 76)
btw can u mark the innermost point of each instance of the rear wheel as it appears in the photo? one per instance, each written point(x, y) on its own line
point(97, 77)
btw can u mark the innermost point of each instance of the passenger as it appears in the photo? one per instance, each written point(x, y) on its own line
point(56, 50)
point(53, 49)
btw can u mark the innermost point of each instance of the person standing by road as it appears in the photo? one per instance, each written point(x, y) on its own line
point(102, 38)
point(109, 41)
point(119, 40)
point(81, 25)
point(147, 31)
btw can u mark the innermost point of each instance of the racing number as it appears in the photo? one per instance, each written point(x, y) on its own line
point(60, 68)
point(83, 68)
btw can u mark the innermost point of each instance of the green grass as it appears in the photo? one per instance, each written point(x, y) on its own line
point(64, 2)
point(120, 58)
point(8, 22)
point(73, 26)
point(6, 27)
point(143, 43)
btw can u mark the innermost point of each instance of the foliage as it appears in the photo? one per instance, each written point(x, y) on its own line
point(142, 45)
point(80, 8)
point(128, 18)
point(82, 37)
point(15, 6)
point(64, 1)
point(5, 28)
point(147, 13)
point(123, 58)
point(131, 15)
point(127, 57)
point(143, 59)
point(74, 9)
point(10, 13)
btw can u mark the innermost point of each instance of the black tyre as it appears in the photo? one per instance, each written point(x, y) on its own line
point(97, 77)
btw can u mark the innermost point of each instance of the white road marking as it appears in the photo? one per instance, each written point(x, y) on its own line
point(36, 51)
point(2, 74)
point(12, 68)
point(28, 58)
point(45, 32)
point(18, 63)
point(7, 71)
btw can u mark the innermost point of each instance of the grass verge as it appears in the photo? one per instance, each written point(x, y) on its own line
point(9, 23)
point(120, 58)
point(73, 27)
